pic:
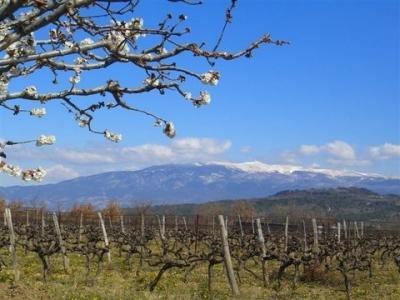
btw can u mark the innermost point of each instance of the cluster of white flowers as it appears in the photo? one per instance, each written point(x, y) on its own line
point(136, 23)
point(114, 137)
point(45, 140)
point(25, 46)
point(204, 99)
point(10, 169)
point(188, 96)
point(80, 60)
point(31, 91)
point(152, 81)
point(69, 45)
point(117, 42)
point(3, 84)
point(86, 42)
point(34, 174)
point(161, 50)
point(128, 30)
point(211, 77)
point(169, 130)
point(83, 122)
point(3, 30)
point(38, 112)
point(75, 78)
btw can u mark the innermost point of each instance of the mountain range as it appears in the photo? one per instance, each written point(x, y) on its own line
point(195, 183)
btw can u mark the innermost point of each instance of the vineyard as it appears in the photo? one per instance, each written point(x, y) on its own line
point(61, 256)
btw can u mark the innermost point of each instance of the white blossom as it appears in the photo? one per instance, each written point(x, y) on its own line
point(86, 42)
point(137, 23)
point(211, 77)
point(31, 91)
point(80, 60)
point(3, 85)
point(116, 42)
point(75, 79)
point(158, 123)
point(45, 140)
point(114, 137)
point(38, 112)
point(69, 45)
point(10, 169)
point(204, 99)
point(83, 122)
point(152, 81)
point(169, 130)
point(33, 174)
point(161, 50)
point(188, 96)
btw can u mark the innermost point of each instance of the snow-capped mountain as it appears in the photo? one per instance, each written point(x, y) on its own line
point(198, 182)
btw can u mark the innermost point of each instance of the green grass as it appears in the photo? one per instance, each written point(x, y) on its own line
point(115, 281)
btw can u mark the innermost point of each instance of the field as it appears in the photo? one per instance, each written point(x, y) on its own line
point(371, 262)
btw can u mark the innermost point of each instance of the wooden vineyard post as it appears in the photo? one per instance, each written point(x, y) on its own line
point(315, 230)
point(122, 224)
point(110, 221)
point(362, 229)
point(27, 217)
point(61, 242)
point(80, 229)
point(356, 229)
point(184, 223)
point(213, 226)
point(43, 222)
point(286, 233)
point(305, 237)
point(142, 238)
point(338, 231)
point(268, 229)
point(252, 225)
point(345, 229)
point(106, 243)
point(227, 257)
point(176, 224)
point(261, 241)
point(240, 226)
point(197, 233)
point(163, 226)
point(8, 219)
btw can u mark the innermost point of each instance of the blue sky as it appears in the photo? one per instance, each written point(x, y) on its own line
point(329, 99)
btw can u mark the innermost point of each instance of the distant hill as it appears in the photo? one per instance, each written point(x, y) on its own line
point(339, 203)
point(195, 183)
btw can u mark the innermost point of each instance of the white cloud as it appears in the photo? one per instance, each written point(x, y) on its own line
point(202, 145)
point(60, 172)
point(309, 149)
point(69, 161)
point(340, 149)
point(385, 151)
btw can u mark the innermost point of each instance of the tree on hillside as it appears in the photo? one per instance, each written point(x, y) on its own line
point(244, 209)
point(87, 210)
point(64, 41)
point(112, 210)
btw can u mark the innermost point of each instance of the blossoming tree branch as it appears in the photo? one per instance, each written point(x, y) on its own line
point(83, 36)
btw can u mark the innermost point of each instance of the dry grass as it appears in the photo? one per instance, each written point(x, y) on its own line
point(117, 282)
